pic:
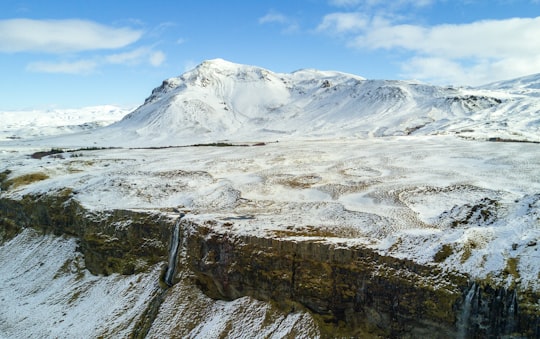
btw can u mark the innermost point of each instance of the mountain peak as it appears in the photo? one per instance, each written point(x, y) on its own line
point(222, 100)
point(223, 66)
point(219, 63)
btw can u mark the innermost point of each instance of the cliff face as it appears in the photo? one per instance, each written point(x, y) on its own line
point(353, 291)
point(119, 241)
point(348, 290)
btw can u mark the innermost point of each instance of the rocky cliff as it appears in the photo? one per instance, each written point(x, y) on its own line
point(347, 290)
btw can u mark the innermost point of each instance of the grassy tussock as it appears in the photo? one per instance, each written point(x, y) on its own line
point(23, 180)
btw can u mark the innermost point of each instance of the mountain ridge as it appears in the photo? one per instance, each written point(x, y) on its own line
point(221, 100)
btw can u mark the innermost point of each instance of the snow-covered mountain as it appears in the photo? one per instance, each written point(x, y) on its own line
point(223, 101)
point(220, 100)
point(39, 123)
point(527, 85)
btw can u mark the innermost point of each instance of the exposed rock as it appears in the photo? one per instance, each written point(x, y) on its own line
point(326, 84)
point(119, 241)
point(348, 290)
point(353, 291)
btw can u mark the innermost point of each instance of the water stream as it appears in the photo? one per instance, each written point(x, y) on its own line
point(173, 252)
point(149, 315)
point(465, 316)
point(511, 314)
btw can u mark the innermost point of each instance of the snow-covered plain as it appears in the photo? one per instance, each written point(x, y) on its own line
point(404, 168)
point(405, 196)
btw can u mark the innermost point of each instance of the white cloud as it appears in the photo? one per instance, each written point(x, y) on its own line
point(387, 4)
point(86, 66)
point(133, 57)
point(446, 71)
point(157, 58)
point(345, 3)
point(77, 67)
point(275, 17)
point(343, 22)
point(482, 39)
point(137, 56)
point(60, 36)
point(470, 53)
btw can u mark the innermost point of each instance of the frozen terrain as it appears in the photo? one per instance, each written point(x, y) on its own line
point(405, 196)
point(409, 170)
point(39, 123)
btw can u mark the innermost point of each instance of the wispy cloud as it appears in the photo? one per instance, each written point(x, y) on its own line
point(76, 67)
point(344, 22)
point(482, 39)
point(273, 17)
point(345, 3)
point(157, 58)
point(133, 57)
point(469, 53)
point(138, 56)
point(81, 42)
point(374, 3)
point(61, 36)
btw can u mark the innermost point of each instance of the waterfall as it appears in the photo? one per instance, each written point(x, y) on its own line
point(511, 314)
point(173, 252)
point(463, 325)
point(149, 315)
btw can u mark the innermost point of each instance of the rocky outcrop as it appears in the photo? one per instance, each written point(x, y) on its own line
point(351, 291)
point(119, 241)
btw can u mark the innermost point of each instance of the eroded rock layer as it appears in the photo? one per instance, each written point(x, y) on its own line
point(348, 290)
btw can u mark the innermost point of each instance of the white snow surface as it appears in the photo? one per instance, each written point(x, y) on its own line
point(39, 123)
point(46, 292)
point(403, 196)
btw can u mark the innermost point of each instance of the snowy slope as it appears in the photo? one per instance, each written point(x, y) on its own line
point(38, 123)
point(527, 85)
point(46, 292)
point(516, 118)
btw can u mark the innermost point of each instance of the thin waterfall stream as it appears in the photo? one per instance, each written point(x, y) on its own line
point(464, 321)
point(173, 252)
point(145, 322)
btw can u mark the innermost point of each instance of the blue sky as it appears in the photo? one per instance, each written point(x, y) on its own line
point(68, 54)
